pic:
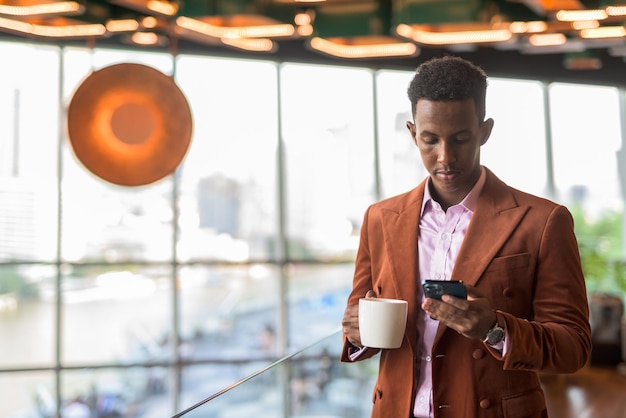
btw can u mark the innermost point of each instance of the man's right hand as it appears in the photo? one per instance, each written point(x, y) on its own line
point(350, 322)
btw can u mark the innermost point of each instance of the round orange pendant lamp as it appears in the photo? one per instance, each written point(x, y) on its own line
point(129, 124)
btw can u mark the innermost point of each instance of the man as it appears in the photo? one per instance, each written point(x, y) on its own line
point(526, 310)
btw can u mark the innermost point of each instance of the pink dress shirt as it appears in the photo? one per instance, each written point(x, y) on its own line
point(440, 237)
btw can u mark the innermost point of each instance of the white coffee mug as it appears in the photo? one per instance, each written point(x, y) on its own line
point(382, 322)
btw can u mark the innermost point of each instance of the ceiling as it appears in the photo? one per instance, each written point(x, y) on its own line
point(568, 40)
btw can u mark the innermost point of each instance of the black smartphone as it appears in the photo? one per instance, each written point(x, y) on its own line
point(437, 288)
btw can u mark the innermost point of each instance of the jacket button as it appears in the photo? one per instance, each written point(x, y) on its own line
point(485, 403)
point(478, 354)
point(508, 292)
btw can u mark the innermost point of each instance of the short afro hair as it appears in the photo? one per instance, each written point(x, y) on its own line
point(449, 78)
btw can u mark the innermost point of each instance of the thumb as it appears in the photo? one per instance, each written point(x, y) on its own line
point(370, 294)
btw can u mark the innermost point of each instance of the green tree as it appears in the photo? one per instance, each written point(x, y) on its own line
point(600, 242)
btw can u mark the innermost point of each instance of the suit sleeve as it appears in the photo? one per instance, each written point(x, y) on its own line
point(557, 338)
point(362, 282)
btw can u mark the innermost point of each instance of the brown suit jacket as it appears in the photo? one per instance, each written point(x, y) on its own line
point(521, 252)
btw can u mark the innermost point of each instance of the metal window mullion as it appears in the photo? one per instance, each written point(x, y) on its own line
point(547, 117)
point(175, 372)
point(282, 256)
point(282, 252)
point(377, 178)
point(621, 102)
point(59, 295)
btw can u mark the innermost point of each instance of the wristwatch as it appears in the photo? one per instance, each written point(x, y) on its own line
point(495, 335)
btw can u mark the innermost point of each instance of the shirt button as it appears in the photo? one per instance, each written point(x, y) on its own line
point(444, 236)
point(428, 358)
point(422, 399)
point(437, 276)
point(478, 354)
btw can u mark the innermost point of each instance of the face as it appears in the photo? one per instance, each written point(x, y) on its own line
point(449, 135)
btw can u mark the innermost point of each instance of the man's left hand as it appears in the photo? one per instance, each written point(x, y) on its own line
point(472, 317)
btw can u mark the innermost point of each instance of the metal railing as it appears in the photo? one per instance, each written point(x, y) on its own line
point(310, 382)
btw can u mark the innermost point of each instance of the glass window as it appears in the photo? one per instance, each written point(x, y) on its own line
point(102, 221)
point(122, 269)
point(263, 395)
point(228, 312)
point(328, 134)
point(401, 166)
point(29, 137)
point(317, 297)
point(133, 392)
point(228, 199)
point(312, 383)
point(28, 394)
point(586, 137)
point(516, 150)
point(116, 315)
point(27, 315)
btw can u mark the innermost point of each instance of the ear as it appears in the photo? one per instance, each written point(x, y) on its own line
point(487, 126)
point(412, 130)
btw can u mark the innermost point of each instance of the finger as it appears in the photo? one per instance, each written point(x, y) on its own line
point(432, 307)
point(351, 314)
point(456, 302)
point(370, 294)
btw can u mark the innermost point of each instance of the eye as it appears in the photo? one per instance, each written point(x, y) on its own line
point(429, 140)
point(463, 138)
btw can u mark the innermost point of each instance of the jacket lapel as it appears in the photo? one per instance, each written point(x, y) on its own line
point(496, 217)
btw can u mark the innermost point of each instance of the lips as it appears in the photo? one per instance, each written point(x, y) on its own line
point(448, 175)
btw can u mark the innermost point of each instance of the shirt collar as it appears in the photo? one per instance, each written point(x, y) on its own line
point(469, 202)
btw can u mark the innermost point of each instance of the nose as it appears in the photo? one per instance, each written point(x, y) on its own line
point(445, 153)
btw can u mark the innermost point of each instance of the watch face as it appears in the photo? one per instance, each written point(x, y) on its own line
point(495, 335)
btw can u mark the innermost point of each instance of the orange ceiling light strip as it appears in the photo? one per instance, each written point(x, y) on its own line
point(425, 35)
point(363, 48)
point(574, 15)
point(218, 27)
point(536, 26)
point(53, 31)
point(122, 25)
point(160, 7)
point(254, 45)
point(616, 10)
point(604, 32)
point(547, 39)
point(43, 9)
